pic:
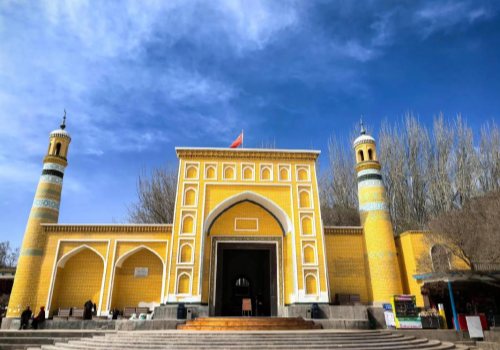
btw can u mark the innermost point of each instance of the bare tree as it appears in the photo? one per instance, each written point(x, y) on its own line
point(8, 256)
point(338, 187)
point(489, 158)
point(417, 160)
point(156, 197)
point(466, 163)
point(392, 158)
point(439, 174)
point(472, 232)
point(342, 168)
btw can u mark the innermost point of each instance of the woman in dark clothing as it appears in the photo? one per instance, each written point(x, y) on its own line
point(39, 319)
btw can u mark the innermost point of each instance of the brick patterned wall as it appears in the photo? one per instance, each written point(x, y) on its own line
point(79, 281)
point(347, 271)
point(129, 290)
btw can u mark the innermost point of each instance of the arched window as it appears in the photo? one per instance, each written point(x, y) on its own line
point(307, 226)
point(370, 154)
point(284, 174)
point(187, 224)
point(311, 286)
point(302, 174)
point(361, 156)
point(183, 283)
point(440, 257)
point(247, 173)
point(191, 172)
point(185, 254)
point(265, 174)
point(210, 172)
point(309, 254)
point(242, 287)
point(189, 196)
point(229, 173)
point(304, 200)
point(58, 148)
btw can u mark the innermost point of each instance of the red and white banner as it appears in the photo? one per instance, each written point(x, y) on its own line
point(238, 142)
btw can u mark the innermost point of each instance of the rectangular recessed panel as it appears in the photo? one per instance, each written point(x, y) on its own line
point(246, 224)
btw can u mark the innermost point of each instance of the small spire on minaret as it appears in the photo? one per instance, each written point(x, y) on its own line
point(362, 126)
point(63, 125)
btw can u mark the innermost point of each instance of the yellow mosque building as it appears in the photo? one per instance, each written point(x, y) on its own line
point(247, 224)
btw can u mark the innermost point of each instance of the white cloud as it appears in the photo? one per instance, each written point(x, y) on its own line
point(442, 16)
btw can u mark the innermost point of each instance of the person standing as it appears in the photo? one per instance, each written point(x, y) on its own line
point(25, 318)
point(87, 310)
point(39, 319)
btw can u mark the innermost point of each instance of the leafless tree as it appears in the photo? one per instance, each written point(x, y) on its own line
point(156, 197)
point(8, 256)
point(338, 188)
point(472, 232)
point(439, 174)
point(417, 160)
point(489, 158)
point(392, 158)
point(466, 163)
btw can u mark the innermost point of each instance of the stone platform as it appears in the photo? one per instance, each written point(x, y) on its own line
point(298, 339)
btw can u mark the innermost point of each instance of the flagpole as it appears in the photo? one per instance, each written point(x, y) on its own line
point(242, 138)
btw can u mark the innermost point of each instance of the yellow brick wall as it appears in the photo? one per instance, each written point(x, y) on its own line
point(210, 192)
point(79, 281)
point(129, 290)
point(112, 243)
point(347, 270)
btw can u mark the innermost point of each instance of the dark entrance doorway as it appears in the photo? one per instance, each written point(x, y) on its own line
point(246, 270)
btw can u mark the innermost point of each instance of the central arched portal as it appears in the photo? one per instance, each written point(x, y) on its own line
point(246, 270)
point(245, 259)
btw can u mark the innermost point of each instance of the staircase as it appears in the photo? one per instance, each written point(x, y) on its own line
point(298, 339)
point(247, 324)
point(14, 339)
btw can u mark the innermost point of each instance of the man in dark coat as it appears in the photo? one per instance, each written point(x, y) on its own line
point(25, 318)
point(87, 310)
point(39, 319)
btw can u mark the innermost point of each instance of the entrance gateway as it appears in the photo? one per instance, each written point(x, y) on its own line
point(245, 269)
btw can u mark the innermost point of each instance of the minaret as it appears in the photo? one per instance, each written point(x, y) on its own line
point(45, 209)
point(384, 274)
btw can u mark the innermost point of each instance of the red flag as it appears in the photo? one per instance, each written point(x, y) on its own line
point(238, 142)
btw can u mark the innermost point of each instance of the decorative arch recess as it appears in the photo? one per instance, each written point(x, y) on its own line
point(131, 252)
point(273, 209)
point(64, 259)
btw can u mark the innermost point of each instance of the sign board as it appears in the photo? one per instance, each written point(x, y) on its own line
point(405, 311)
point(141, 272)
point(474, 326)
point(246, 304)
point(389, 319)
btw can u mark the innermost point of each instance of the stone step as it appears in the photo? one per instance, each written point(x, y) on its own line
point(49, 333)
point(352, 340)
point(248, 323)
point(222, 340)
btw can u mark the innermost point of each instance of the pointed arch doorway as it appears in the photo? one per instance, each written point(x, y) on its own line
point(246, 268)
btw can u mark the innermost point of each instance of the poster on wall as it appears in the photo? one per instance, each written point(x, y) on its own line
point(141, 272)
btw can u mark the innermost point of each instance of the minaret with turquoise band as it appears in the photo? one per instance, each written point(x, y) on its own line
point(384, 275)
point(45, 209)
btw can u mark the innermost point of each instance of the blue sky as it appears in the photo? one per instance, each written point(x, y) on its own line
point(141, 77)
